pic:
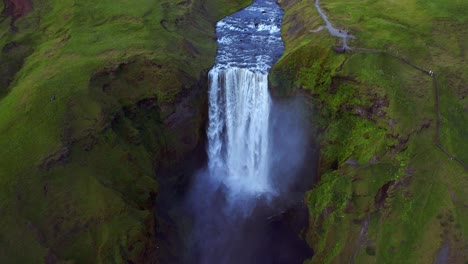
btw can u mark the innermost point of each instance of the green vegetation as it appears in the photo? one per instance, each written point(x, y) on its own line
point(85, 91)
point(386, 193)
point(90, 96)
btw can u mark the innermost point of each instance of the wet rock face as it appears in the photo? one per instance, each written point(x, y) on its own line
point(16, 8)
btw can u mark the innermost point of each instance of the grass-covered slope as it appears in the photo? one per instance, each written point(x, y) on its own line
point(386, 193)
point(95, 96)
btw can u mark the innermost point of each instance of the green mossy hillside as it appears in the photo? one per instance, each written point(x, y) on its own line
point(386, 193)
point(95, 97)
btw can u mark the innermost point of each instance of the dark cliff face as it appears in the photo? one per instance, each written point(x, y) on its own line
point(95, 99)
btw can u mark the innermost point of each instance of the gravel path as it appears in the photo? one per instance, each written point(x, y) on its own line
point(340, 33)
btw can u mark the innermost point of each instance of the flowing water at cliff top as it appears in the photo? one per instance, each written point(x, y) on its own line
point(251, 38)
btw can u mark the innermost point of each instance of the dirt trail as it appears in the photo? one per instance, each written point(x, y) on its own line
point(344, 35)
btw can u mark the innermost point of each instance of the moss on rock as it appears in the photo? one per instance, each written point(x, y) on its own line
point(382, 180)
point(94, 98)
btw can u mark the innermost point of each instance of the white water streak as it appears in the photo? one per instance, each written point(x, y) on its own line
point(238, 131)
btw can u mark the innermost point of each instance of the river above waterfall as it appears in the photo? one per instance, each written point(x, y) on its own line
point(251, 38)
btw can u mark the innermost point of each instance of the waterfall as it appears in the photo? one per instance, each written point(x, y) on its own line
point(255, 150)
point(238, 131)
point(239, 102)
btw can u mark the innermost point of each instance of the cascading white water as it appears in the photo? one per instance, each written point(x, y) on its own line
point(239, 102)
point(238, 131)
point(249, 152)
